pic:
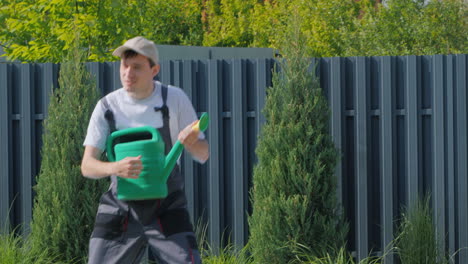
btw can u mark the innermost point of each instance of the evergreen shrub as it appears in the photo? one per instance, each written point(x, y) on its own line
point(65, 202)
point(294, 187)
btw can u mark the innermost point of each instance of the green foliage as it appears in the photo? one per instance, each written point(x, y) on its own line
point(228, 23)
point(323, 23)
point(340, 257)
point(227, 255)
point(44, 30)
point(294, 187)
point(66, 202)
point(417, 241)
point(365, 28)
point(16, 250)
point(408, 27)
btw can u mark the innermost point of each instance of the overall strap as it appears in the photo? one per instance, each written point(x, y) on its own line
point(165, 130)
point(109, 115)
point(164, 109)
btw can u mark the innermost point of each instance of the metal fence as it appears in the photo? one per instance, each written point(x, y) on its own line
point(400, 123)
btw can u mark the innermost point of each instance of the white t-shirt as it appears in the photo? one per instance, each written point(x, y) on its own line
point(130, 112)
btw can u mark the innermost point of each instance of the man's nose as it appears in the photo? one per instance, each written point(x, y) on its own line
point(130, 71)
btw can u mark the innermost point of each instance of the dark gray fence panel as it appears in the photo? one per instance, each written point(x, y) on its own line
point(214, 170)
point(400, 123)
point(387, 150)
point(412, 123)
point(439, 148)
point(188, 77)
point(239, 129)
point(27, 143)
point(450, 156)
point(5, 146)
point(461, 153)
point(336, 106)
point(362, 119)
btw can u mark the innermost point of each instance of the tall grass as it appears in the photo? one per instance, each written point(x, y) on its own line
point(230, 254)
point(417, 241)
point(342, 256)
point(15, 249)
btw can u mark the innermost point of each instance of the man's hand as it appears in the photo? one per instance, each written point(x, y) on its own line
point(188, 136)
point(129, 167)
point(198, 148)
point(93, 167)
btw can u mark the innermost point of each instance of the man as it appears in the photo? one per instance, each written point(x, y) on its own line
point(123, 229)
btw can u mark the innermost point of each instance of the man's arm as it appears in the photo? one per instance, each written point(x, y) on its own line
point(93, 167)
point(199, 148)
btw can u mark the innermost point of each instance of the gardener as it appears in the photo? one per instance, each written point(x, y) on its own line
point(123, 229)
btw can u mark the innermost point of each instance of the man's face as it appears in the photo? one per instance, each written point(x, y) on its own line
point(136, 74)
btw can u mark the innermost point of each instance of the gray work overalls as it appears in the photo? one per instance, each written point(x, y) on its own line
point(123, 229)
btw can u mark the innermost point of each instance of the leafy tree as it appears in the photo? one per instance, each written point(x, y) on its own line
point(323, 23)
point(410, 27)
point(44, 30)
point(227, 23)
point(367, 27)
point(294, 187)
point(66, 202)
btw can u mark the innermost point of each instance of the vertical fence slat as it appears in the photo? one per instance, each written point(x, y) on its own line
point(386, 102)
point(95, 71)
point(26, 124)
point(116, 83)
point(188, 161)
point(438, 126)
point(177, 74)
point(462, 153)
point(49, 82)
point(412, 128)
point(261, 84)
point(450, 157)
point(5, 146)
point(213, 163)
point(166, 72)
point(336, 119)
point(238, 134)
point(361, 159)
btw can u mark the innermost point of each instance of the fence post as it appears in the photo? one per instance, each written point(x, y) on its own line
point(386, 157)
point(5, 148)
point(361, 158)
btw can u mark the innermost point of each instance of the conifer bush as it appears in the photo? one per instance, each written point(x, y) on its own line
point(294, 187)
point(65, 203)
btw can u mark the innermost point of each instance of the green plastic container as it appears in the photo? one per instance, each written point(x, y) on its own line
point(147, 142)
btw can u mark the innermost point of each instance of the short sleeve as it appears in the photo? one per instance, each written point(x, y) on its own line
point(98, 128)
point(186, 113)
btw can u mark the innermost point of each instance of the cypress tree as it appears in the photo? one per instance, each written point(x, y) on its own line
point(65, 202)
point(294, 187)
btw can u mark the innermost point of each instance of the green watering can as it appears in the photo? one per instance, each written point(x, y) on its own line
point(147, 142)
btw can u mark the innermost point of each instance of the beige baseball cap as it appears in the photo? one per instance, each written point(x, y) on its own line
point(139, 45)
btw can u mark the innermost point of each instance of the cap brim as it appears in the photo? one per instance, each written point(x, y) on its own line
point(120, 50)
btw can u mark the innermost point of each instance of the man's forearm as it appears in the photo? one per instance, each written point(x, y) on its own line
point(199, 150)
point(96, 169)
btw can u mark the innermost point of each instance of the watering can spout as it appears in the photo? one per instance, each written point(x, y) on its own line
point(174, 154)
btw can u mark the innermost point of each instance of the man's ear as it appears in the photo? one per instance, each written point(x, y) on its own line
point(156, 69)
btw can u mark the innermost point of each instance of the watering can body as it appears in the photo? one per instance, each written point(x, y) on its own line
point(147, 142)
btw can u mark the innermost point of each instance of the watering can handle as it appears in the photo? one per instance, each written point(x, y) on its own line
point(177, 149)
point(202, 123)
point(118, 133)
